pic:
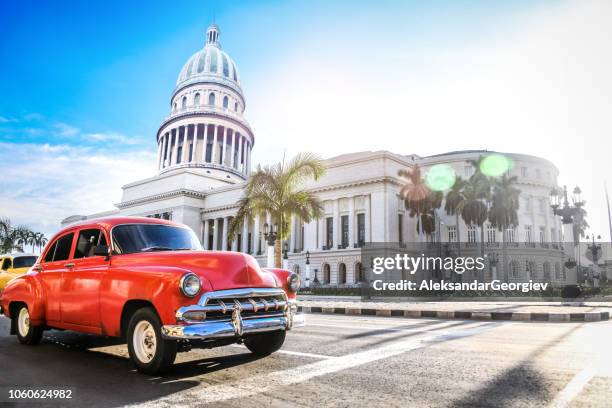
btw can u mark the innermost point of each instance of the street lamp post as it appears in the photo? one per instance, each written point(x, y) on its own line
point(594, 253)
point(285, 256)
point(565, 210)
point(270, 237)
point(307, 279)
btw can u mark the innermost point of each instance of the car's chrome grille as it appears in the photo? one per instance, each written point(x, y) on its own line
point(252, 302)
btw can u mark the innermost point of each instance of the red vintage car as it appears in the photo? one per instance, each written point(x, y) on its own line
point(149, 281)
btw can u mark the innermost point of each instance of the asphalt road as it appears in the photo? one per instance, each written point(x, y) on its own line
point(339, 361)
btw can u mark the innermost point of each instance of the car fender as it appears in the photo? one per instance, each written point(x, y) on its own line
point(282, 279)
point(25, 288)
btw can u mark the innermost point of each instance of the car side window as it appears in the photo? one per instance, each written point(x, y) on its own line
point(50, 252)
point(88, 240)
point(6, 264)
point(62, 249)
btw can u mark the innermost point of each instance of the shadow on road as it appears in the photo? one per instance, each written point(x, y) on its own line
point(517, 385)
point(98, 377)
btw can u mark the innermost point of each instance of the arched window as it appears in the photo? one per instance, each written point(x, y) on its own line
point(235, 106)
point(558, 271)
point(358, 272)
point(211, 99)
point(184, 102)
point(546, 271)
point(342, 274)
point(326, 274)
point(514, 269)
point(225, 102)
point(174, 107)
point(196, 99)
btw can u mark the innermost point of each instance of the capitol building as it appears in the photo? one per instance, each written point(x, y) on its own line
point(204, 157)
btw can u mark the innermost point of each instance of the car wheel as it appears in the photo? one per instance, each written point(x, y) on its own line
point(265, 344)
point(151, 353)
point(26, 332)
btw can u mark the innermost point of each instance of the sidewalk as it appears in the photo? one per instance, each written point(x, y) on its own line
point(488, 310)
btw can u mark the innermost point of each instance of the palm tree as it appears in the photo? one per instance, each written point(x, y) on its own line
point(42, 241)
point(503, 213)
point(454, 203)
point(12, 237)
point(277, 190)
point(419, 200)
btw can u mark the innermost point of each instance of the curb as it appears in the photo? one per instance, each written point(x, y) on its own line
point(443, 314)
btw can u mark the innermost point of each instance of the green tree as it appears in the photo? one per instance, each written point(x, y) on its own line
point(278, 191)
point(12, 238)
point(419, 200)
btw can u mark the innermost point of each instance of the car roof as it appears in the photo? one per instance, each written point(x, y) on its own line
point(17, 255)
point(110, 222)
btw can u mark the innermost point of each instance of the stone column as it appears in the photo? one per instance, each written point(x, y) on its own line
point(241, 140)
point(292, 235)
point(336, 227)
point(224, 147)
point(368, 237)
point(256, 234)
point(174, 157)
point(216, 235)
point(204, 141)
point(351, 222)
point(213, 157)
point(206, 234)
point(185, 144)
point(245, 237)
point(232, 161)
point(247, 161)
point(160, 145)
point(224, 235)
point(196, 127)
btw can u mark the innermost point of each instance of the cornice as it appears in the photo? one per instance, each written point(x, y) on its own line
point(162, 196)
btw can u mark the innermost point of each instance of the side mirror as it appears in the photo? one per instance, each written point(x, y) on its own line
point(101, 250)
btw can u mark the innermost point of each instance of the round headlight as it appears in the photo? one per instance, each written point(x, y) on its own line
point(294, 282)
point(190, 285)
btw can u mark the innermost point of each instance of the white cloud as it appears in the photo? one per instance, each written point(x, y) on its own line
point(42, 184)
point(65, 130)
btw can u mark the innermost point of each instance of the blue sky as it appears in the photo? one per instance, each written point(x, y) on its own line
point(84, 86)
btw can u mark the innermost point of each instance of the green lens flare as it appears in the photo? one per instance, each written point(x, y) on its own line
point(440, 177)
point(495, 165)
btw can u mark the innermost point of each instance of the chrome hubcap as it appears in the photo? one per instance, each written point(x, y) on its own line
point(23, 322)
point(144, 341)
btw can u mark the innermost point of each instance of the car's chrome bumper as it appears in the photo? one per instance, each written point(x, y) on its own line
point(282, 315)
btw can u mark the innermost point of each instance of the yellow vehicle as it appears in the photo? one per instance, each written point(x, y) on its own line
point(14, 265)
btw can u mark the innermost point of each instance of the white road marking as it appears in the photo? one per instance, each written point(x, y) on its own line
point(293, 353)
point(250, 386)
point(573, 388)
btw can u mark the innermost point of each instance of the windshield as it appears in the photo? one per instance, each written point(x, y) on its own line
point(131, 238)
point(24, 261)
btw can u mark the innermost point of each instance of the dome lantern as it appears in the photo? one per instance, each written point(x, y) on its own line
point(212, 35)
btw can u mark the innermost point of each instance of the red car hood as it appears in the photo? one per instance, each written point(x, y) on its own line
point(222, 270)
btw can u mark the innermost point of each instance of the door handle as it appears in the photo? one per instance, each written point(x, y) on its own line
point(69, 265)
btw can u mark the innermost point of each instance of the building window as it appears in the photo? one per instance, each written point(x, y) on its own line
point(553, 235)
point(344, 221)
point(546, 271)
point(196, 99)
point(329, 232)
point(528, 231)
point(400, 228)
point(558, 271)
point(342, 274)
point(179, 154)
point(184, 103)
point(542, 205)
point(235, 106)
point(174, 107)
point(326, 274)
point(361, 229)
point(471, 234)
point(514, 269)
point(452, 233)
point(542, 235)
point(225, 102)
point(468, 171)
point(524, 171)
point(211, 99)
point(358, 272)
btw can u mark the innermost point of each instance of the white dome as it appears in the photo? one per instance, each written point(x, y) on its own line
point(210, 64)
